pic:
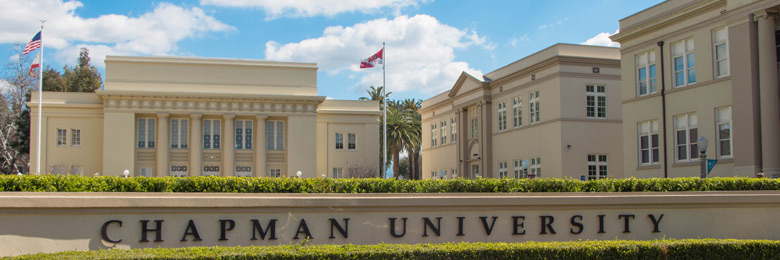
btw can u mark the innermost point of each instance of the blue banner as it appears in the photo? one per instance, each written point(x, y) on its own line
point(711, 164)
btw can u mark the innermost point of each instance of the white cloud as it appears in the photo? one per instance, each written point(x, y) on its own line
point(153, 33)
point(308, 8)
point(602, 39)
point(515, 40)
point(420, 52)
point(556, 23)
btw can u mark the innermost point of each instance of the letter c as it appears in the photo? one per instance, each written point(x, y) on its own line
point(104, 231)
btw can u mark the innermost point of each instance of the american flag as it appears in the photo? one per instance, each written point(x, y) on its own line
point(34, 44)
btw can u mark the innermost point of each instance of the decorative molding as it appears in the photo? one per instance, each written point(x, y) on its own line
point(155, 104)
point(764, 14)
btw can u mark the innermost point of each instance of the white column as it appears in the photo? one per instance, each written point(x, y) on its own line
point(196, 145)
point(261, 147)
point(229, 148)
point(770, 100)
point(163, 145)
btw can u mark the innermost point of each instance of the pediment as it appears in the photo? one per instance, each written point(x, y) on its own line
point(465, 83)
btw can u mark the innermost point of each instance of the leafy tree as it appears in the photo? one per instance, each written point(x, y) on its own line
point(413, 106)
point(14, 132)
point(80, 78)
point(402, 132)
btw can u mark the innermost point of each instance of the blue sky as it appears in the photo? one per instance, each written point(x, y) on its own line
point(429, 42)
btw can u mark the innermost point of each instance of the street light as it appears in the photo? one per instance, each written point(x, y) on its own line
point(126, 173)
point(299, 173)
point(525, 168)
point(702, 143)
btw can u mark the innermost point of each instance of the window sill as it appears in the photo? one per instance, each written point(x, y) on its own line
point(726, 160)
point(649, 167)
point(686, 164)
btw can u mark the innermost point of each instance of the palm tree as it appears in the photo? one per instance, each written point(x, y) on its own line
point(401, 132)
point(413, 149)
point(376, 95)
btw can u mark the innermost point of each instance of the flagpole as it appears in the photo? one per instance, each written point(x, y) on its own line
point(40, 104)
point(384, 112)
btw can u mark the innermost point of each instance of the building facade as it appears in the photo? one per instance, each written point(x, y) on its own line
point(701, 68)
point(558, 109)
point(169, 116)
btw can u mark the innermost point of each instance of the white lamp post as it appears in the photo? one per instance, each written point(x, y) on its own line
point(702, 143)
point(299, 173)
point(126, 173)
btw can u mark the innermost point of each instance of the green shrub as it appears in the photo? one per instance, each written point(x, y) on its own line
point(70, 183)
point(710, 249)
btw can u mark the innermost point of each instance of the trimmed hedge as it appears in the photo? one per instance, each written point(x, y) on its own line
point(71, 183)
point(709, 249)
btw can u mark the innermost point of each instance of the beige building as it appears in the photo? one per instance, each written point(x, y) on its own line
point(167, 116)
point(694, 68)
point(559, 109)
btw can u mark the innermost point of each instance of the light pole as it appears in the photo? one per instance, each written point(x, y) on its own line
point(702, 144)
point(525, 168)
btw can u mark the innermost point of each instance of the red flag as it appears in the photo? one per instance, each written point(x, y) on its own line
point(372, 61)
point(35, 64)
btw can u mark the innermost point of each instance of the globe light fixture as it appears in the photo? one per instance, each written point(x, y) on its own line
point(126, 173)
point(299, 173)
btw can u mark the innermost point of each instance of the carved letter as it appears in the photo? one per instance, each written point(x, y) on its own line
point(226, 225)
point(601, 224)
point(574, 223)
point(344, 231)
point(157, 230)
point(104, 231)
point(488, 228)
point(460, 226)
point(626, 228)
point(428, 223)
point(520, 224)
point(191, 230)
point(652, 218)
point(392, 227)
point(547, 224)
point(303, 228)
point(271, 228)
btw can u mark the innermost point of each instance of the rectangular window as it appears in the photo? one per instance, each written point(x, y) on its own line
point(533, 103)
point(146, 172)
point(596, 101)
point(339, 141)
point(338, 173)
point(62, 137)
point(648, 143)
point(517, 112)
point(351, 141)
point(597, 166)
point(645, 74)
point(454, 132)
point(244, 134)
point(433, 135)
point(179, 133)
point(474, 128)
point(683, 63)
point(146, 130)
point(518, 170)
point(686, 134)
point(75, 137)
point(443, 130)
point(76, 170)
point(536, 168)
point(276, 135)
point(475, 171)
point(501, 116)
point(723, 119)
point(453, 173)
point(275, 173)
point(502, 170)
point(720, 42)
point(211, 130)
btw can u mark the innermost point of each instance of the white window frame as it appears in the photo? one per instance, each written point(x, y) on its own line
point(146, 172)
point(474, 127)
point(649, 131)
point(179, 133)
point(338, 173)
point(243, 171)
point(723, 119)
point(275, 172)
point(76, 170)
point(453, 173)
point(179, 170)
point(62, 137)
point(533, 104)
point(517, 112)
point(433, 135)
point(502, 170)
point(596, 101)
point(454, 131)
point(75, 137)
point(275, 135)
point(145, 132)
point(475, 170)
point(685, 54)
point(244, 132)
point(443, 130)
point(718, 60)
point(536, 167)
point(687, 124)
point(646, 74)
point(351, 141)
point(518, 170)
point(212, 134)
point(339, 141)
point(212, 170)
point(501, 112)
point(597, 167)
